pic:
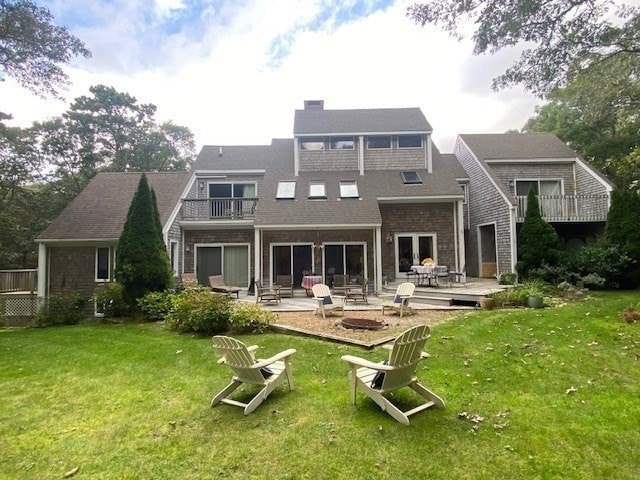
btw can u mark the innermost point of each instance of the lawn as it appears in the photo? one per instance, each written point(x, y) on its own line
point(551, 393)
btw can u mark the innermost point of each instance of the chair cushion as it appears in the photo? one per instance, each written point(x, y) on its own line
point(398, 299)
point(378, 378)
point(327, 300)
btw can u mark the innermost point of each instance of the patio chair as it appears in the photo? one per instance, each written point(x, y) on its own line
point(286, 284)
point(458, 277)
point(441, 274)
point(400, 302)
point(326, 303)
point(216, 283)
point(268, 373)
point(377, 380)
point(340, 281)
point(267, 294)
point(357, 291)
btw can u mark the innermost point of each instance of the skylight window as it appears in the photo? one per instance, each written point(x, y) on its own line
point(411, 178)
point(286, 190)
point(316, 189)
point(348, 189)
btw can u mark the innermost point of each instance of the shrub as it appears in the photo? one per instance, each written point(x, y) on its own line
point(156, 306)
point(60, 310)
point(600, 265)
point(507, 278)
point(247, 317)
point(511, 297)
point(110, 301)
point(198, 310)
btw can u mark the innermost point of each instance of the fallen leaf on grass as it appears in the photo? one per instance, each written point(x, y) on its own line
point(570, 390)
point(71, 472)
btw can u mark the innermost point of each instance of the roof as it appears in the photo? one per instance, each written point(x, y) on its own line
point(360, 121)
point(243, 157)
point(373, 186)
point(100, 210)
point(517, 146)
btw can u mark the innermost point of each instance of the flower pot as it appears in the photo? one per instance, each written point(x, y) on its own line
point(535, 302)
point(486, 303)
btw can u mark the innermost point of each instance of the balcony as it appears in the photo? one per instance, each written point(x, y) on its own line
point(218, 209)
point(568, 208)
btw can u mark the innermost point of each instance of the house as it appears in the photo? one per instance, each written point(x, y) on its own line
point(574, 198)
point(361, 192)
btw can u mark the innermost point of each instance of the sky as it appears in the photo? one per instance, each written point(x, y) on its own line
point(233, 72)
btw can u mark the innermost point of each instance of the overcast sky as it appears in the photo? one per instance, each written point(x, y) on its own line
point(234, 71)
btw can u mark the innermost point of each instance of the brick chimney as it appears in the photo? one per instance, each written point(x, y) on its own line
point(314, 104)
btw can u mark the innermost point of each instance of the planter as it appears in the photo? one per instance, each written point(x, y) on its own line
point(535, 302)
point(486, 303)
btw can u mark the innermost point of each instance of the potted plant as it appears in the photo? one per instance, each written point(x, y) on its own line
point(534, 291)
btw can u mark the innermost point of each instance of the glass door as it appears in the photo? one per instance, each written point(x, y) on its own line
point(295, 260)
point(412, 248)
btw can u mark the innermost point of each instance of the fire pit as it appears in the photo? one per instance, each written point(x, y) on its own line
point(361, 323)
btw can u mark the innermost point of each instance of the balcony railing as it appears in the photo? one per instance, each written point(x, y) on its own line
point(568, 208)
point(218, 208)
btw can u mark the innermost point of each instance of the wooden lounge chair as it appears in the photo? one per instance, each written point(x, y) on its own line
point(286, 284)
point(268, 373)
point(339, 283)
point(217, 285)
point(267, 294)
point(326, 303)
point(377, 380)
point(400, 302)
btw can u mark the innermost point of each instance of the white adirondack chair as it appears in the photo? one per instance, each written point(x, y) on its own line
point(379, 379)
point(326, 302)
point(400, 302)
point(267, 373)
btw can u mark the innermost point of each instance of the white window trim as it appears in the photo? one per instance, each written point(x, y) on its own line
point(317, 184)
point(349, 184)
point(304, 140)
point(285, 191)
point(233, 183)
point(109, 271)
point(537, 179)
point(353, 140)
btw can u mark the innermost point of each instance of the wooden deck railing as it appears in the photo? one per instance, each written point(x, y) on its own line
point(25, 280)
point(218, 208)
point(568, 208)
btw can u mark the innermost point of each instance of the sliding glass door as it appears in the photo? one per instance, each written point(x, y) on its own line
point(412, 248)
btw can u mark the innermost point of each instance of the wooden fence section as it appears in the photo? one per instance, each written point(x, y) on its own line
point(25, 280)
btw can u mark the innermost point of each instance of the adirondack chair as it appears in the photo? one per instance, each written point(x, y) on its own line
point(268, 373)
point(400, 302)
point(379, 379)
point(326, 303)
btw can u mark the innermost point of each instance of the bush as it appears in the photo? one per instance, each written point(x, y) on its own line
point(247, 317)
point(507, 278)
point(602, 265)
point(60, 310)
point(110, 301)
point(156, 306)
point(198, 310)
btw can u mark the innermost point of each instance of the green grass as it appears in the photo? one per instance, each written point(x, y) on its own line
point(558, 389)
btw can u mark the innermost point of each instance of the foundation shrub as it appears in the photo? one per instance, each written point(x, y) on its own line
point(198, 310)
point(60, 310)
point(249, 318)
point(110, 301)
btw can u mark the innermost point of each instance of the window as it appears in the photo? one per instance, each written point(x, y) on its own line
point(409, 141)
point(540, 187)
point(348, 189)
point(312, 143)
point(379, 141)
point(103, 264)
point(342, 143)
point(286, 190)
point(410, 178)
point(316, 189)
point(232, 199)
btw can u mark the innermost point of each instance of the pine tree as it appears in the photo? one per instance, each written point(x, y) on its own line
point(538, 242)
point(142, 262)
point(623, 231)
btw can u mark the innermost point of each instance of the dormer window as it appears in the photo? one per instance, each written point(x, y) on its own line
point(317, 189)
point(312, 143)
point(348, 189)
point(342, 143)
point(378, 141)
point(409, 141)
point(411, 178)
point(286, 190)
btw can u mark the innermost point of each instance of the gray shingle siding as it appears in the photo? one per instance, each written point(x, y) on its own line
point(587, 184)
point(533, 171)
point(486, 205)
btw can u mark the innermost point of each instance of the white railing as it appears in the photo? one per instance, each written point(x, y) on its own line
point(568, 208)
point(218, 208)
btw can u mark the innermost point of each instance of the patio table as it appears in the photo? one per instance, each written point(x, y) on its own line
point(309, 281)
point(424, 271)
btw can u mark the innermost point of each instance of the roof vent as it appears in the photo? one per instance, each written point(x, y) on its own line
point(314, 104)
point(220, 152)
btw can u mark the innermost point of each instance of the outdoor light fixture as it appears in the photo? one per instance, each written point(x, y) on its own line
point(389, 238)
point(188, 247)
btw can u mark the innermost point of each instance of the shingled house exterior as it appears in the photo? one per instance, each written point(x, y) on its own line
point(360, 192)
point(574, 198)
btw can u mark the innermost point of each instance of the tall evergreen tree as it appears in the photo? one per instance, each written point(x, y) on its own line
point(538, 242)
point(142, 260)
point(623, 230)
